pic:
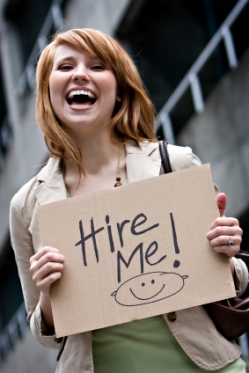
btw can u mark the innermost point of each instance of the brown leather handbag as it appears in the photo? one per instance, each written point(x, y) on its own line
point(230, 316)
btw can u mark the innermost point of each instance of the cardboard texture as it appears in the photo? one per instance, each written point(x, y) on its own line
point(135, 251)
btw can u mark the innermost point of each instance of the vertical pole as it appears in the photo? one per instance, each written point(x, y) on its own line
point(230, 49)
point(57, 15)
point(167, 127)
point(196, 93)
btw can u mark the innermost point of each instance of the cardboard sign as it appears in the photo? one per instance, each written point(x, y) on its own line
point(135, 251)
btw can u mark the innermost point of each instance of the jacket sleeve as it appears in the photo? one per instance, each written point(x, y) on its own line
point(182, 157)
point(241, 276)
point(22, 243)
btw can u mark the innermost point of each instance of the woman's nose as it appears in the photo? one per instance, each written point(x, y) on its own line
point(81, 74)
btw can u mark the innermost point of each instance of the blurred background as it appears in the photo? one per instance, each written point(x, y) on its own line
point(193, 56)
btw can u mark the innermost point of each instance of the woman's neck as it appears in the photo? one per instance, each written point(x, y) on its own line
point(101, 158)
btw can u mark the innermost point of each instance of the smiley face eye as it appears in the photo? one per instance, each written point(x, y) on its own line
point(143, 284)
point(152, 281)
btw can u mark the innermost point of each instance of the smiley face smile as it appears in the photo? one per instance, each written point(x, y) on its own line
point(153, 296)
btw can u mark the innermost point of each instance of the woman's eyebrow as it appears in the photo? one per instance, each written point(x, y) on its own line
point(64, 59)
point(71, 59)
point(93, 59)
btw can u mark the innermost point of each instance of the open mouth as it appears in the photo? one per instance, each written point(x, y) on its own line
point(81, 98)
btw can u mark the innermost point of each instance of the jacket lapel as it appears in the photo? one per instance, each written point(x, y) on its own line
point(143, 160)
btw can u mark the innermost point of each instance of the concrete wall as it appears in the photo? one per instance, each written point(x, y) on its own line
point(27, 151)
point(102, 15)
point(220, 136)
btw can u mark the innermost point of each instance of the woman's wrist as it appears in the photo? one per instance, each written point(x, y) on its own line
point(46, 310)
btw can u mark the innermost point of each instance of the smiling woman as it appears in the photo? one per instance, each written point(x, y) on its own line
point(98, 124)
point(83, 92)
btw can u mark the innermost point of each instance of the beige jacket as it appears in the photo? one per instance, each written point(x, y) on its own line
point(193, 329)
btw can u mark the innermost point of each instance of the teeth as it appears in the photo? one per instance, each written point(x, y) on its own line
point(81, 92)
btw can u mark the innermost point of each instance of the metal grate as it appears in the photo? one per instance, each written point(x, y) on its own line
point(54, 19)
point(191, 80)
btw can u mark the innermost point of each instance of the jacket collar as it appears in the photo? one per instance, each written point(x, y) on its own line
point(142, 162)
point(50, 186)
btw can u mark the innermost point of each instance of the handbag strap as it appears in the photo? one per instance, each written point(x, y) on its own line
point(165, 156)
point(244, 255)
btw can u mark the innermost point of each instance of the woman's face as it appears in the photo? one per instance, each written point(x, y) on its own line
point(82, 91)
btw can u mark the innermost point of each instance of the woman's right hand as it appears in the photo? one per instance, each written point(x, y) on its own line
point(46, 267)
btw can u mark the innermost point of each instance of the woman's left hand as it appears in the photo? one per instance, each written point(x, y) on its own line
point(225, 233)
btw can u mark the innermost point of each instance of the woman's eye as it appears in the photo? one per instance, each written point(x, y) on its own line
point(97, 67)
point(65, 67)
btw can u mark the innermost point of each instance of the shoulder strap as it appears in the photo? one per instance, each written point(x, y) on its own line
point(165, 156)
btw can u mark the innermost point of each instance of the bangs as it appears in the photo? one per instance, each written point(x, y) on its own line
point(97, 44)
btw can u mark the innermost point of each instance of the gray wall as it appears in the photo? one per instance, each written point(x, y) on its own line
point(220, 136)
point(102, 15)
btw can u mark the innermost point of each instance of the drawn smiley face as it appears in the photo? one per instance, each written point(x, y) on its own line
point(149, 288)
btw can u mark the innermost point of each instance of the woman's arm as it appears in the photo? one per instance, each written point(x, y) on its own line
point(22, 243)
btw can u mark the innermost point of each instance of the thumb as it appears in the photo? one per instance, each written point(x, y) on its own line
point(221, 202)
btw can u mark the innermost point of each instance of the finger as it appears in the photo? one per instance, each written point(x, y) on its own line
point(47, 270)
point(222, 221)
point(228, 241)
point(47, 253)
point(44, 278)
point(46, 258)
point(230, 251)
point(221, 202)
point(43, 251)
point(224, 231)
point(44, 285)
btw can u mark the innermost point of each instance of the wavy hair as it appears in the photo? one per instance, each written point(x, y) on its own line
point(134, 116)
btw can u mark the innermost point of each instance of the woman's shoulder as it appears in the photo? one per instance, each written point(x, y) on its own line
point(22, 206)
point(24, 193)
point(182, 157)
point(25, 197)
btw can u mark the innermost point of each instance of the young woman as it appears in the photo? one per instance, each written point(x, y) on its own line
point(98, 124)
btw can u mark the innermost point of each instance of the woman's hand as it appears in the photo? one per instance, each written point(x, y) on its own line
point(225, 233)
point(46, 268)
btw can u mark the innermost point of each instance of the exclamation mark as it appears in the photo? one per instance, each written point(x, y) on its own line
point(176, 263)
